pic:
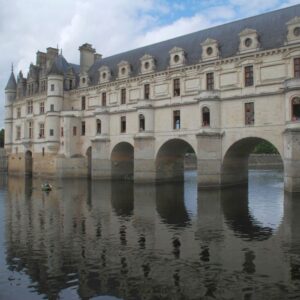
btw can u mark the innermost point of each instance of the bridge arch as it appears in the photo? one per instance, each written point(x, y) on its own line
point(170, 159)
point(122, 161)
point(235, 160)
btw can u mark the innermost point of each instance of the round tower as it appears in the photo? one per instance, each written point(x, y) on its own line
point(10, 96)
point(54, 105)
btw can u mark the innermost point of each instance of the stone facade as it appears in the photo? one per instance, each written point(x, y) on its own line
point(217, 93)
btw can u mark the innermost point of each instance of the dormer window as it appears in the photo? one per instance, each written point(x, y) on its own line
point(293, 27)
point(105, 74)
point(248, 40)
point(210, 49)
point(147, 64)
point(124, 69)
point(83, 80)
point(177, 57)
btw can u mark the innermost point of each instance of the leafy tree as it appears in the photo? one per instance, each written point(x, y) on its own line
point(2, 138)
point(265, 147)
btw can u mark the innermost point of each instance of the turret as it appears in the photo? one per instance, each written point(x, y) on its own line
point(10, 96)
point(54, 105)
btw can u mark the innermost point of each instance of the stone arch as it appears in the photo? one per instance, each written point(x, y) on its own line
point(122, 161)
point(28, 163)
point(88, 154)
point(169, 160)
point(235, 160)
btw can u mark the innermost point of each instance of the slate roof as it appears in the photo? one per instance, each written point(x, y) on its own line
point(271, 28)
point(11, 84)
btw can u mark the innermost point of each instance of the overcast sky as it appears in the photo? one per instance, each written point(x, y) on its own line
point(111, 26)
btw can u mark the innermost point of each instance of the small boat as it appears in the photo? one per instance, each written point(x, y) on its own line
point(46, 187)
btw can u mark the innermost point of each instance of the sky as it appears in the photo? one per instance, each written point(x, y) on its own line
point(110, 26)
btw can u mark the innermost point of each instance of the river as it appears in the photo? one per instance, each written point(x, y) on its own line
point(119, 240)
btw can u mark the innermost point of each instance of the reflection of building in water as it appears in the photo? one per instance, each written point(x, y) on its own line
point(122, 240)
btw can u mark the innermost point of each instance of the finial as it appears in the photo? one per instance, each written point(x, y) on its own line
point(57, 46)
point(12, 67)
point(60, 51)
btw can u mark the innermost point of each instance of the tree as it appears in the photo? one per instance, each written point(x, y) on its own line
point(2, 138)
point(265, 148)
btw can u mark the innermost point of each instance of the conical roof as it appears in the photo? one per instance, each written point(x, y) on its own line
point(11, 84)
point(56, 68)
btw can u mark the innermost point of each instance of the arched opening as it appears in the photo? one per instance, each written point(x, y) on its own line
point(89, 161)
point(28, 163)
point(122, 161)
point(296, 109)
point(173, 159)
point(141, 122)
point(240, 157)
point(205, 116)
point(98, 126)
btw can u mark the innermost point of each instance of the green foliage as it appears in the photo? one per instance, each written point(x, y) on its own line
point(265, 148)
point(2, 138)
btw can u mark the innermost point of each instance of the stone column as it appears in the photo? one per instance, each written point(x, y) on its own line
point(209, 155)
point(291, 138)
point(101, 162)
point(144, 158)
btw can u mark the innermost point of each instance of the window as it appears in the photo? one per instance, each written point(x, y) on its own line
point(123, 96)
point(98, 126)
point(43, 151)
point(41, 130)
point(141, 122)
point(83, 128)
point(210, 81)
point(176, 119)
point(176, 87)
point(104, 99)
point(74, 130)
point(83, 80)
point(61, 131)
point(52, 87)
point(249, 113)
point(83, 103)
point(42, 107)
point(205, 116)
point(147, 91)
point(297, 67)
point(296, 109)
point(19, 112)
point(29, 107)
point(30, 130)
point(123, 124)
point(52, 107)
point(70, 84)
point(51, 132)
point(249, 76)
point(43, 85)
point(18, 132)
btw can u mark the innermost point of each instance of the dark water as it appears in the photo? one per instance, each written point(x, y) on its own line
point(108, 240)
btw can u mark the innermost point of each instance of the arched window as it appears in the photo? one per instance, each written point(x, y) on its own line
point(141, 122)
point(98, 126)
point(296, 109)
point(205, 116)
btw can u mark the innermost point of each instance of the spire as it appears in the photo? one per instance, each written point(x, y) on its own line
point(11, 84)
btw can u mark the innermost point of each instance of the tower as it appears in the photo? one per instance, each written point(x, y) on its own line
point(10, 96)
point(54, 104)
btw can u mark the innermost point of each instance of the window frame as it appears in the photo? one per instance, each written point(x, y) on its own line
point(176, 87)
point(176, 120)
point(296, 63)
point(249, 112)
point(249, 75)
point(123, 95)
point(123, 124)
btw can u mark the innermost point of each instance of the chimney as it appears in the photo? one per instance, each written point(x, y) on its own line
point(52, 53)
point(97, 56)
point(87, 58)
point(41, 58)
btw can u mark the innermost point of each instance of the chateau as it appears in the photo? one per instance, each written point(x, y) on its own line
point(217, 92)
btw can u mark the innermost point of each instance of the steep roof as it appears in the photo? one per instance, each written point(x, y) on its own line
point(271, 29)
point(11, 84)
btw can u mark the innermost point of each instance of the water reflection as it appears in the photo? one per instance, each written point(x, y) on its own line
point(89, 239)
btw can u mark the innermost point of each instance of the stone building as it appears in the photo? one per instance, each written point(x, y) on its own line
point(217, 92)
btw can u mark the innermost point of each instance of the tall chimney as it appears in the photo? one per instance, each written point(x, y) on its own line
point(86, 57)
